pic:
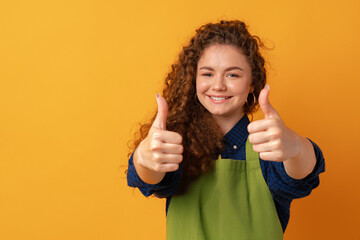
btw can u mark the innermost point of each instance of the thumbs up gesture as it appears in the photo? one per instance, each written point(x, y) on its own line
point(270, 137)
point(161, 151)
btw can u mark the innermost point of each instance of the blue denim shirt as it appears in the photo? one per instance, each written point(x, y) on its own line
point(282, 187)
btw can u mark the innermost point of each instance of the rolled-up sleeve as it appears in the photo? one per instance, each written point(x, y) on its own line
point(291, 188)
point(165, 188)
point(284, 188)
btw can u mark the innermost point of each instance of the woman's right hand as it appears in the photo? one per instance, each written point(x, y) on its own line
point(161, 151)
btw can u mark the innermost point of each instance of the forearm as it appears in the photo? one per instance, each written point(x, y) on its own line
point(146, 174)
point(302, 165)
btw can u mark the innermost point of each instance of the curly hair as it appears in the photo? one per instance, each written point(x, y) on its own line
point(202, 137)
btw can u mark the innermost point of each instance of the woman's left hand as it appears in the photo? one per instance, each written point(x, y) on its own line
point(270, 137)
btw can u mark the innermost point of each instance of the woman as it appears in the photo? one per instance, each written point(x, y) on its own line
point(201, 152)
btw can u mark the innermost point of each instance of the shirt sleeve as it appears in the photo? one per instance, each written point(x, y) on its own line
point(165, 188)
point(281, 184)
point(284, 188)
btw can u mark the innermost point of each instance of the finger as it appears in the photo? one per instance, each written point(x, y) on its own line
point(271, 156)
point(264, 103)
point(162, 158)
point(173, 158)
point(259, 137)
point(170, 167)
point(167, 167)
point(264, 147)
point(160, 120)
point(170, 148)
point(259, 125)
point(168, 137)
point(159, 146)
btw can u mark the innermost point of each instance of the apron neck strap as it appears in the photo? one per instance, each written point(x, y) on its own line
point(251, 155)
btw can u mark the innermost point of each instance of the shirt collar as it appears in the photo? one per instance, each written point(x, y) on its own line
point(238, 134)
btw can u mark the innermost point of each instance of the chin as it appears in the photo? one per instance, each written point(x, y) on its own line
point(215, 111)
point(219, 114)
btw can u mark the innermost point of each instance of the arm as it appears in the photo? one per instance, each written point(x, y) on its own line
point(165, 188)
point(147, 175)
point(283, 184)
point(159, 153)
point(276, 142)
point(284, 188)
point(301, 165)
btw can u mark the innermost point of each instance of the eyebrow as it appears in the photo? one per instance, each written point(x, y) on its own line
point(227, 69)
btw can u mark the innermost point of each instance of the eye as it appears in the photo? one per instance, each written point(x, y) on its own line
point(232, 75)
point(206, 74)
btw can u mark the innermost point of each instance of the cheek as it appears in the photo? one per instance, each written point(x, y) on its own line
point(201, 86)
point(239, 88)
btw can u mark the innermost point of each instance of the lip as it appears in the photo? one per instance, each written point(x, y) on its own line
point(219, 96)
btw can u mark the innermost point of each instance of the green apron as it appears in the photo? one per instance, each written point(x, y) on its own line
point(231, 202)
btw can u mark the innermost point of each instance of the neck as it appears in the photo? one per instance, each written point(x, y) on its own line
point(227, 123)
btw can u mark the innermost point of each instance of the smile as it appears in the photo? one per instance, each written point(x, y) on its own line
point(218, 99)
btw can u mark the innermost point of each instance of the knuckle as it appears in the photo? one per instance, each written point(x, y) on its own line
point(276, 133)
point(273, 122)
point(156, 135)
point(156, 156)
point(277, 145)
point(154, 145)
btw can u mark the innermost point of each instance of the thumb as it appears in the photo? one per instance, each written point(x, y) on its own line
point(264, 103)
point(160, 120)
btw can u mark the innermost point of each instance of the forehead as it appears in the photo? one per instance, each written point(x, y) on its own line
point(223, 56)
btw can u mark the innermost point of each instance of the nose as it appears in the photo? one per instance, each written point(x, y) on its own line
point(219, 84)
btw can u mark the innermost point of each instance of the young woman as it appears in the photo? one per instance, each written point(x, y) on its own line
point(223, 177)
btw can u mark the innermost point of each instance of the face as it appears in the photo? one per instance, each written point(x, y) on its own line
point(223, 81)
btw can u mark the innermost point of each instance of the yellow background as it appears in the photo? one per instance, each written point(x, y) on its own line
point(76, 77)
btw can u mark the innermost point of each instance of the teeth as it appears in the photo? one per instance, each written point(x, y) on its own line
point(219, 98)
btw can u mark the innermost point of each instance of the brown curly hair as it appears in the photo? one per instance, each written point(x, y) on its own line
point(202, 137)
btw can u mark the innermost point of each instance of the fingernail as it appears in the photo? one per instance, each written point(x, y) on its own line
point(267, 86)
point(157, 95)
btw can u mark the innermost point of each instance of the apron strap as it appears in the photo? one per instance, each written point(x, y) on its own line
point(252, 157)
